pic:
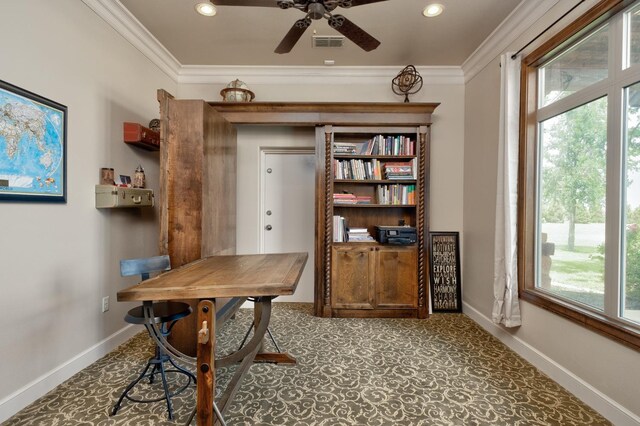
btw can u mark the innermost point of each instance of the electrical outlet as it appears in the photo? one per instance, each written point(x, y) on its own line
point(105, 304)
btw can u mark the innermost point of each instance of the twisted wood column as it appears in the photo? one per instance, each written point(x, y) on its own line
point(328, 218)
point(422, 158)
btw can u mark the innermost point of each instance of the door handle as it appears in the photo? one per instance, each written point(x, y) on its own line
point(268, 227)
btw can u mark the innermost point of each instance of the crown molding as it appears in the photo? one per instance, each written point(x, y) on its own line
point(514, 25)
point(220, 74)
point(125, 24)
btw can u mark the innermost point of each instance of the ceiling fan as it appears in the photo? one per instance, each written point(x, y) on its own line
point(314, 9)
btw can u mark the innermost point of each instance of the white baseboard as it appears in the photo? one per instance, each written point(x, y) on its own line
point(610, 409)
point(43, 384)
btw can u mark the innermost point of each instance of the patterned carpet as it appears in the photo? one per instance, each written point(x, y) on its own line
point(442, 371)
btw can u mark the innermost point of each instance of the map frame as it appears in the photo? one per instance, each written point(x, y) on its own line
point(59, 194)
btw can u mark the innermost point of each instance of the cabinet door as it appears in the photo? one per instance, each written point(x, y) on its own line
point(396, 277)
point(352, 278)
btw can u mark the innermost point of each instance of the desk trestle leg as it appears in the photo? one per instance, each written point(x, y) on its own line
point(205, 367)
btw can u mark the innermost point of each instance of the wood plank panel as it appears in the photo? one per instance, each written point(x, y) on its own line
point(218, 185)
point(184, 187)
point(205, 368)
point(396, 277)
point(198, 166)
point(352, 270)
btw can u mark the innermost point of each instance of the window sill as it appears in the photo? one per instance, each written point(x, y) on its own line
point(617, 330)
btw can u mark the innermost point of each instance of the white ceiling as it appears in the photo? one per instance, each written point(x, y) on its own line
point(248, 35)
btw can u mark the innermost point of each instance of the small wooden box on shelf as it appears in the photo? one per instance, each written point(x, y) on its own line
point(141, 137)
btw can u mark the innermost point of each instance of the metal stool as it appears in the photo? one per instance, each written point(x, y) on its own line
point(166, 314)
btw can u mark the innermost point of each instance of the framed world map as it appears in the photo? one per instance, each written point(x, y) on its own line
point(33, 146)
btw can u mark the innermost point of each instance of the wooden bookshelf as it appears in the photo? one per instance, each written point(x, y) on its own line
point(367, 278)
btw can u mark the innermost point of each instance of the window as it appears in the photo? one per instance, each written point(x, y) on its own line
point(579, 204)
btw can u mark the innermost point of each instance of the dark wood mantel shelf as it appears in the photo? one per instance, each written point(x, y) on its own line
point(319, 113)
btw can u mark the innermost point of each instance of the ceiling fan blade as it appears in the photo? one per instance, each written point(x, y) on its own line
point(293, 35)
point(351, 3)
point(260, 3)
point(353, 32)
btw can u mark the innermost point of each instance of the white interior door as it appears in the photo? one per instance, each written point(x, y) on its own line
point(288, 209)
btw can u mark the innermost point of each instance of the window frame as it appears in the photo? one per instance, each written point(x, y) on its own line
point(617, 328)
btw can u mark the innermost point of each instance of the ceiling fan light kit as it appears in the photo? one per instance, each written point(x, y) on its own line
point(315, 10)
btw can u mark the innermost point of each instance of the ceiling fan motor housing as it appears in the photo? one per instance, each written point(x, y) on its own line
point(316, 10)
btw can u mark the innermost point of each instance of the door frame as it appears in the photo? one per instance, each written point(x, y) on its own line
point(264, 151)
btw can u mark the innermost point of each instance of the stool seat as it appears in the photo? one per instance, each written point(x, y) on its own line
point(164, 312)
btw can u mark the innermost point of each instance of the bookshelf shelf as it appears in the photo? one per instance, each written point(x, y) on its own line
point(370, 157)
point(372, 206)
point(369, 181)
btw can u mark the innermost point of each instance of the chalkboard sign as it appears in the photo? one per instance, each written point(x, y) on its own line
point(446, 286)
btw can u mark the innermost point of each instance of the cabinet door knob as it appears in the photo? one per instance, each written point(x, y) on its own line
point(268, 227)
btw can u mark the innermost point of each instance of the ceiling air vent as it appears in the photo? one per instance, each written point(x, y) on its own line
point(328, 41)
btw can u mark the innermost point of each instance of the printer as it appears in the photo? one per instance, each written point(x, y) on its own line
point(398, 235)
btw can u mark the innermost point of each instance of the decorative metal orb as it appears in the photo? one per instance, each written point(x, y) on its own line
point(407, 82)
point(155, 125)
point(237, 91)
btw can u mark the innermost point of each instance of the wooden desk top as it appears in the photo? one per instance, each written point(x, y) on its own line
point(223, 276)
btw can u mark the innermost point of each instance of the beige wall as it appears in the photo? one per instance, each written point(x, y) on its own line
point(580, 359)
point(57, 261)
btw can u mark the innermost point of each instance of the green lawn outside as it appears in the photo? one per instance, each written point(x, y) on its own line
point(578, 275)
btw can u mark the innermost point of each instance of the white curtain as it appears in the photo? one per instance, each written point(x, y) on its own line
point(506, 307)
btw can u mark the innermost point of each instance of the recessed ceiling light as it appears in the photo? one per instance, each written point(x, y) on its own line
point(206, 9)
point(432, 10)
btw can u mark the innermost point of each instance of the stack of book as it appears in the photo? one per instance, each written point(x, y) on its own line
point(363, 199)
point(344, 199)
point(399, 171)
point(359, 235)
point(351, 199)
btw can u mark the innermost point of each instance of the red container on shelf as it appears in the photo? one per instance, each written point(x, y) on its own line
point(141, 136)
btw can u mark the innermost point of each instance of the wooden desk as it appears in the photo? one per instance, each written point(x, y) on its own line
point(263, 276)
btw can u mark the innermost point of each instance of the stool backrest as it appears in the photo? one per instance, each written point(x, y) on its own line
point(144, 266)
